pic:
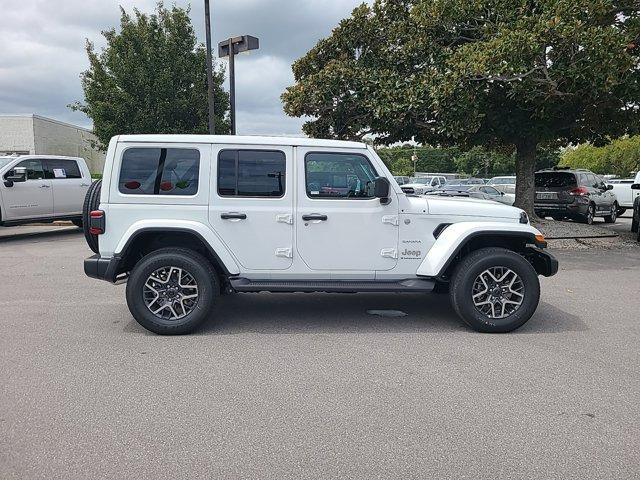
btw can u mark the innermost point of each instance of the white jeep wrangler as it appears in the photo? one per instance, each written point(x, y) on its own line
point(186, 218)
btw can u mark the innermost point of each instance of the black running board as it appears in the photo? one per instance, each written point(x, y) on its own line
point(332, 286)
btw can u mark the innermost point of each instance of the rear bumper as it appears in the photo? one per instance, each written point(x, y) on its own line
point(574, 208)
point(102, 268)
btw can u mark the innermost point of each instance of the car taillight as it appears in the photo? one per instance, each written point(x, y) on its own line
point(96, 222)
point(579, 192)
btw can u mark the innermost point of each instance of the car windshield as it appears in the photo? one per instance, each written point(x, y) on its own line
point(555, 179)
point(4, 161)
point(421, 180)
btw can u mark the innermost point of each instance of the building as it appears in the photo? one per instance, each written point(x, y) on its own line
point(36, 135)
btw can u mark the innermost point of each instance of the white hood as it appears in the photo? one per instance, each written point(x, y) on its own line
point(462, 206)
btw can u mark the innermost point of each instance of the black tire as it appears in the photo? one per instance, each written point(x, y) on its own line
point(590, 215)
point(470, 268)
point(635, 221)
point(188, 260)
point(613, 215)
point(91, 202)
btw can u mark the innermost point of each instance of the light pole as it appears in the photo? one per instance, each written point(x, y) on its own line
point(230, 48)
point(207, 22)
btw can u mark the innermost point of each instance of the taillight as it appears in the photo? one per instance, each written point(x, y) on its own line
point(579, 192)
point(96, 222)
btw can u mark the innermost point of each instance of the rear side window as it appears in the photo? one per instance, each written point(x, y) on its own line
point(555, 179)
point(251, 173)
point(159, 171)
point(61, 169)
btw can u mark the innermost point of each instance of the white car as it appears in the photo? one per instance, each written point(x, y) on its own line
point(506, 184)
point(624, 193)
point(185, 218)
point(42, 188)
point(422, 185)
point(492, 193)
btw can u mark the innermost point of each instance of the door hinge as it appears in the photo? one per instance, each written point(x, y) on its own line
point(391, 219)
point(389, 253)
point(284, 252)
point(285, 218)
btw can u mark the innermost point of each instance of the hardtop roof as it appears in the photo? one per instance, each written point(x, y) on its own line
point(241, 140)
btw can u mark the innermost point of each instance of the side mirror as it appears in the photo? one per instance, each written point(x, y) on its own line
point(502, 194)
point(609, 187)
point(635, 186)
point(18, 175)
point(381, 190)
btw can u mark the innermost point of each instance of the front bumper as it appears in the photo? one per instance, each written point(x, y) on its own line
point(102, 268)
point(544, 263)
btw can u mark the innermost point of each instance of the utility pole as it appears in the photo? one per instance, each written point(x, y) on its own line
point(232, 86)
point(207, 21)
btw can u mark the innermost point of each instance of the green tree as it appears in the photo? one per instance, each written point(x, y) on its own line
point(508, 74)
point(150, 78)
point(620, 157)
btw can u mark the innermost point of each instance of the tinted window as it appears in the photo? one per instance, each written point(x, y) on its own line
point(338, 175)
point(555, 179)
point(61, 169)
point(251, 173)
point(159, 171)
point(34, 169)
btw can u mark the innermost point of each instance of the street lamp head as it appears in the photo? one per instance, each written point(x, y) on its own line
point(240, 44)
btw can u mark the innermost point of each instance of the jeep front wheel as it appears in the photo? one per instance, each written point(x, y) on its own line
point(172, 291)
point(494, 290)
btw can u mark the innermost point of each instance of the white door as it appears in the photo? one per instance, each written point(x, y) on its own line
point(251, 204)
point(69, 186)
point(30, 199)
point(340, 225)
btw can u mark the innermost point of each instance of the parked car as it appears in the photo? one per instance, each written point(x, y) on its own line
point(506, 184)
point(229, 214)
point(466, 181)
point(624, 193)
point(494, 194)
point(574, 193)
point(422, 185)
point(42, 188)
point(635, 222)
point(401, 180)
point(482, 192)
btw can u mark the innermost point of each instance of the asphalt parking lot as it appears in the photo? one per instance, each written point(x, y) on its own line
point(310, 385)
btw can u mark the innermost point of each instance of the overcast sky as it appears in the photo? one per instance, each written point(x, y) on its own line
point(42, 51)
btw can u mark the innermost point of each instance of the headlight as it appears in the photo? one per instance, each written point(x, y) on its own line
point(524, 218)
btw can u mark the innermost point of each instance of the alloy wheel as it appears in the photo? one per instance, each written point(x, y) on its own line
point(498, 292)
point(170, 293)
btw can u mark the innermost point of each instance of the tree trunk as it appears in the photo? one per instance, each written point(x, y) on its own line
point(525, 169)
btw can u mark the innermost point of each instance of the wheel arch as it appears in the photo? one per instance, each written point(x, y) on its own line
point(147, 239)
point(458, 240)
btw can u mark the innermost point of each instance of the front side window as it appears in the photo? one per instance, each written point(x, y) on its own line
point(60, 169)
point(35, 171)
point(159, 171)
point(339, 175)
point(251, 173)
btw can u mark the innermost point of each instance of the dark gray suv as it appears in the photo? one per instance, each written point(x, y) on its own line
point(574, 193)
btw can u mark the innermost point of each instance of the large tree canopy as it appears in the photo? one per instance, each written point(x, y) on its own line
point(151, 78)
point(499, 73)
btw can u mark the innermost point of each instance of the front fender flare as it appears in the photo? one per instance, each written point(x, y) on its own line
point(208, 236)
point(455, 236)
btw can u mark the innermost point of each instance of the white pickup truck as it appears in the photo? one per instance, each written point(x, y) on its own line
point(42, 188)
point(625, 194)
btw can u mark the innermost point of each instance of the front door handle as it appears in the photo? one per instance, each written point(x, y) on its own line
point(314, 216)
point(233, 216)
point(45, 186)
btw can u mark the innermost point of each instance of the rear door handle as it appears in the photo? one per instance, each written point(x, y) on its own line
point(45, 186)
point(314, 216)
point(233, 216)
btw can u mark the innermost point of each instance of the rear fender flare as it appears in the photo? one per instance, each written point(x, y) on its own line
point(204, 233)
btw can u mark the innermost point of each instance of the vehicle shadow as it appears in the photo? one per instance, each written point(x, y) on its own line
point(322, 313)
point(7, 235)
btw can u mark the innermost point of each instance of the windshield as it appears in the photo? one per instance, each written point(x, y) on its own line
point(421, 180)
point(5, 160)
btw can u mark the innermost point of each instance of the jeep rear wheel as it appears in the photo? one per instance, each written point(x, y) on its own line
point(172, 291)
point(494, 290)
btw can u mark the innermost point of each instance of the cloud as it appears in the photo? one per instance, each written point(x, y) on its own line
point(42, 51)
